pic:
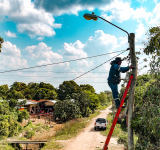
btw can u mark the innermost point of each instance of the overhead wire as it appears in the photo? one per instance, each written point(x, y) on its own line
point(57, 63)
point(99, 65)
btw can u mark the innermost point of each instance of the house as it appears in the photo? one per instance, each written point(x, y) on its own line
point(42, 105)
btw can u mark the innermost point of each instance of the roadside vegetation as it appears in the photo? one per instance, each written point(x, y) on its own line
point(75, 106)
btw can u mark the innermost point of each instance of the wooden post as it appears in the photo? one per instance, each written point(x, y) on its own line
point(131, 91)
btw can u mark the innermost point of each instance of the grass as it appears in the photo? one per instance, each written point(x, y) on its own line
point(120, 131)
point(117, 129)
point(70, 130)
point(46, 127)
point(73, 127)
point(5, 146)
point(105, 106)
point(52, 146)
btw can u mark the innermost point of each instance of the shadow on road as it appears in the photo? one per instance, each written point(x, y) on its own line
point(97, 130)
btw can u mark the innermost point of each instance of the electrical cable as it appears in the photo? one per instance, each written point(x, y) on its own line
point(57, 63)
point(99, 65)
point(49, 76)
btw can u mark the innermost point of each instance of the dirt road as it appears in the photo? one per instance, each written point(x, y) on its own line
point(89, 139)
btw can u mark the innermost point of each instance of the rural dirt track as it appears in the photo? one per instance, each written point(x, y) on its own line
point(89, 139)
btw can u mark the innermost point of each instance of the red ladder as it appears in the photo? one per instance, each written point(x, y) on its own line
point(117, 114)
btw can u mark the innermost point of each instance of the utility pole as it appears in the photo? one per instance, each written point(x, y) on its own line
point(131, 90)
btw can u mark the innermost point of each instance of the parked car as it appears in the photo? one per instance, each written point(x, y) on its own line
point(100, 123)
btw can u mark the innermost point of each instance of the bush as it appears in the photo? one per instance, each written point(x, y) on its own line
point(123, 139)
point(23, 115)
point(29, 134)
point(146, 115)
point(66, 110)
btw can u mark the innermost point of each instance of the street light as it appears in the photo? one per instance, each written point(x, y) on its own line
point(131, 41)
point(95, 18)
point(90, 16)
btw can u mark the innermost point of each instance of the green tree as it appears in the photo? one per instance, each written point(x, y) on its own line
point(18, 86)
point(94, 100)
point(104, 98)
point(147, 105)
point(87, 87)
point(4, 90)
point(51, 94)
point(33, 85)
point(66, 110)
point(46, 86)
point(67, 88)
point(1, 41)
point(13, 94)
point(83, 102)
point(9, 117)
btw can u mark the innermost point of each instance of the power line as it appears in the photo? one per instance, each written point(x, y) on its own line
point(50, 76)
point(58, 62)
point(60, 72)
point(51, 81)
point(99, 65)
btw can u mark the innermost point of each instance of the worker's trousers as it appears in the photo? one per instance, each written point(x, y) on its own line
point(114, 88)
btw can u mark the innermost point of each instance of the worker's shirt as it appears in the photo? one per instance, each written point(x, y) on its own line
point(114, 73)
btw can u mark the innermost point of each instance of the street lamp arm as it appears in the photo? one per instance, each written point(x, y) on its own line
point(113, 25)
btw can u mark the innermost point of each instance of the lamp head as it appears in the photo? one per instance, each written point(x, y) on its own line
point(90, 16)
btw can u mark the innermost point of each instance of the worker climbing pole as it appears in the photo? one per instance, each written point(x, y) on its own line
point(117, 114)
point(130, 105)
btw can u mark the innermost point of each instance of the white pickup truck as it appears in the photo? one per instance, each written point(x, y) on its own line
point(100, 123)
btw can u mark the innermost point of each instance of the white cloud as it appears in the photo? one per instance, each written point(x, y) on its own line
point(10, 49)
point(28, 17)
point(74, 50)
point(9, 34)
point(118, 11)
point(36, 29)
point(140, 32)
point(11, 57)
point(155, 20)
point(121, 10)
point(40, 38)
point(101, 42)
point(140, 13)
point(43, 54)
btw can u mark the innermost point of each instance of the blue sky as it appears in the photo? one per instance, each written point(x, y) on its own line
point(43, 32)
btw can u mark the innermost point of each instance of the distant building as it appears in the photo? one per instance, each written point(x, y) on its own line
point(42, 105)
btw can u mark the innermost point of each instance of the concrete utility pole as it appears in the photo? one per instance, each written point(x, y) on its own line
point(132, 90)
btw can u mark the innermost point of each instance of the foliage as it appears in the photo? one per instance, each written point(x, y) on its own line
point(83, 102)
point(1, 41)
point(94, 100)
point(147, 106)
point(23, 115)
point(153, 44)
point(117, 129)
point(123, 139)
point(66, 110)
point(73, 127)
point(51, 95)
point(87, 87)
point(104, 98)
point(13, 94)
point(18, 86)
point(52, 146)
point(146, 116)
point(3, 91)
point(9, 117)
point(67, 88)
